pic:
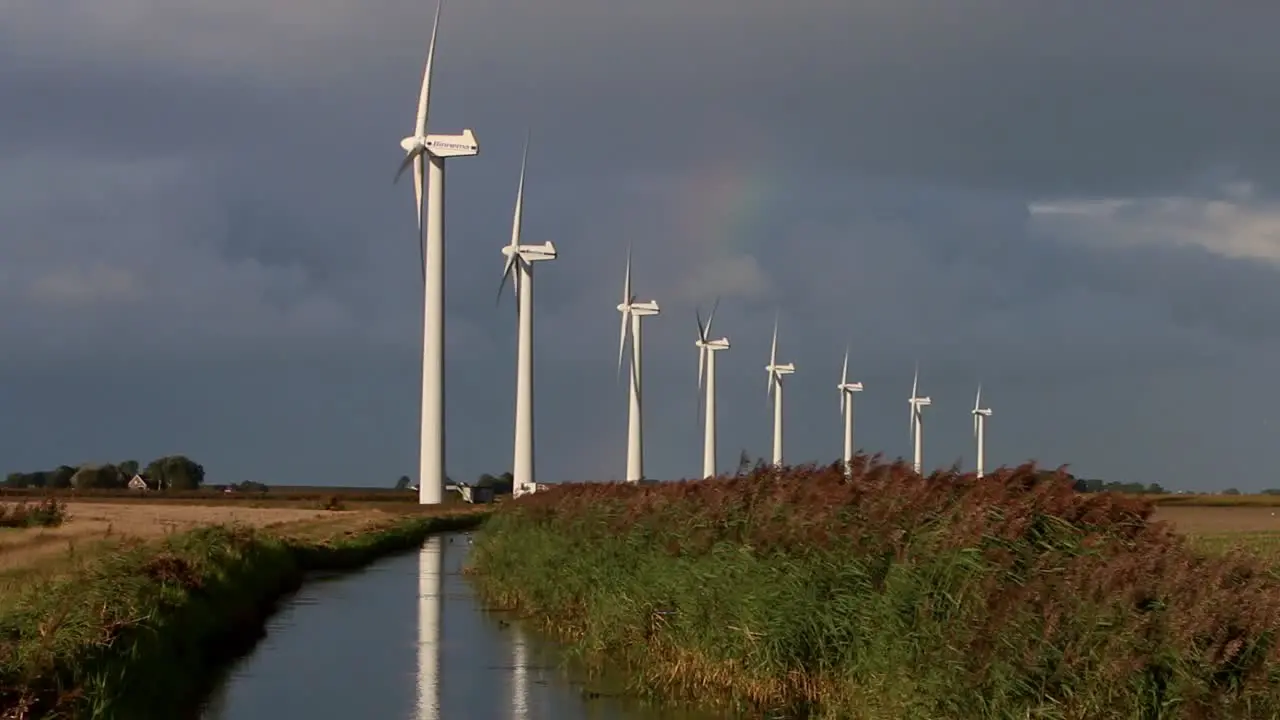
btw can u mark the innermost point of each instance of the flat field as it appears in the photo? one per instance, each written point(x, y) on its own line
point(99, 525)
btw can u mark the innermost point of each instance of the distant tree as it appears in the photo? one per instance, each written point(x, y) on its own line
point(744, 463)
point(16, 480)
point(1231, 491)
point(59, 478)
point(97, 477)
point(403, 483)
point(1271, 491)
point(250, 486)
point(175, 472)
point(1155, 489)
point(129, 468)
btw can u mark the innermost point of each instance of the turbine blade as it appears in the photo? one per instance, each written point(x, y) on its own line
point(702, 362)
point(773, 349)
point(424, 97)
point(975, 425)
point(702, 329)
point(702, 351)
point(844, 369)
point(712, 316)
point(626, 283)
point(506, 272)
point(915, 381)
point(517, 217)
point(622, 340)
point(977, 401)
point(408, 160)
point(418, 182)
point(843, 400)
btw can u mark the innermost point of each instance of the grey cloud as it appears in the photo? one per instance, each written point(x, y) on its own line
point(230, 252)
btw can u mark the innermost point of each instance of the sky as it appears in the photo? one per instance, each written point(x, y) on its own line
point(202, 250)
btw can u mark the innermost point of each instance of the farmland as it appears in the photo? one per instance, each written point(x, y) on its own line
point(896, 596)
point(164, 588)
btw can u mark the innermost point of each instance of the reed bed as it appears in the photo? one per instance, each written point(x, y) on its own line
point(891, 595)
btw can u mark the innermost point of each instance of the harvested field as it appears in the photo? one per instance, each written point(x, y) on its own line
point(92, 527)
point(1214, 520)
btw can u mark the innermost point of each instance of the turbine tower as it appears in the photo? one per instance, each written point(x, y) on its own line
point(980, 415)
point(776, 372)
point(435, 148)
point(707, 349)
point(847, 389)
point(521, 258)
point(917, 418)
point(634, 312)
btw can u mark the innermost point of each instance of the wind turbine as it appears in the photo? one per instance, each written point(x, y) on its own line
point(521, 258)
point(847, 389)
point(980, 415)
point(776, 372)
point(707, 349)
point(635, 312)
point(435, 148)
point(917, 418)
point(430, 598)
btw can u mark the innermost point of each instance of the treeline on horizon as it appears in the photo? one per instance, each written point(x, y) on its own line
point(171, 472)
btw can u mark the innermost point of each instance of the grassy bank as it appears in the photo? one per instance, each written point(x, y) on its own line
point(893, 596)
point(137, 631)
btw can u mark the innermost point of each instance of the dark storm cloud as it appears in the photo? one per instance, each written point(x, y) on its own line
point(197, 220)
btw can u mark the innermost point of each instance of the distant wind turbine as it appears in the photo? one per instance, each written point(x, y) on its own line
point(917, 418)
point(776, 372)
point(847, 389)
point(980, 415)
point(634, 312)
point(435, 148)
point(521, 258)
point(707, 349)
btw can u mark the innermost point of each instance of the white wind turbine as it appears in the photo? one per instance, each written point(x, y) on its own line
point(847, 389)
point(430, 599)
point(776, 372)
point(917, 418)
point(521, 258)
point(707, 349)
point(980, 415)
point(634, 312)
point(435, 148)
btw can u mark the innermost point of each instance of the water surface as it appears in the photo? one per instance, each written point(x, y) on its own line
point(407, 638)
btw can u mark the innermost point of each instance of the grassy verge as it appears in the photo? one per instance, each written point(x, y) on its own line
point(890, 595)
point(137, 631)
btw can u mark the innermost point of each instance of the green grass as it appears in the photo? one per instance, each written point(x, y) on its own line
point(893, 596)
point(137, 632)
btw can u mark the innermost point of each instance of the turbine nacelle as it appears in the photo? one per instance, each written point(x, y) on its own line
point(920, 402)
point(850, 387)
point(531, 253)
point(721, 344)
point(775, 370)
point(985, 412)
point(641, 309)
point(445, 146)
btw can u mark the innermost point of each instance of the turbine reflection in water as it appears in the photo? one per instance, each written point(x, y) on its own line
point(430, 599)
point(519, 673)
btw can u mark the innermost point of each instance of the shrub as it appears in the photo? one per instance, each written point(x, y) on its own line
point(46, 513)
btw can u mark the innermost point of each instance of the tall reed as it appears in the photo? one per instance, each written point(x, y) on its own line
point(892, 595)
